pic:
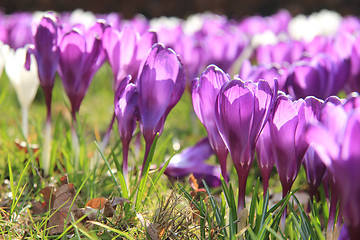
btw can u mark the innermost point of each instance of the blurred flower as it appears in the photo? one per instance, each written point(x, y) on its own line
point(125, 50)
point(286, 51)
point(241, 111)
point(19, 27)
point(161, 83)
point(320, 76)
point(336, 139)
point(267, 72)
point(126, 111)
point(168, 30)
point(324, 23)
point(25, 82)
point(192, 160)
point(192, 55)
point(78, 63)
point(4, 48)
point(204, 92)
point(46, 53)
point(224, 46)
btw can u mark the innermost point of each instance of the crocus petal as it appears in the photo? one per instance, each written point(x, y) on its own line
point(233, 119)
point(204, 93)
point(46, 50)
point(25, 82)
point(160, 84)
point(323, 142)
point(126, 104)
point(72, 49)
point(192, 160)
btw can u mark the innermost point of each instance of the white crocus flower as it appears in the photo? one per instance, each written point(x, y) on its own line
point(4, 48)
point(84, 17)
point(267, 37)
point(25, 83)
point(323, 23)
point(164, 22)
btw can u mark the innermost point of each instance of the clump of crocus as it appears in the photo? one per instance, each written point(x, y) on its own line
point(204, 92)
point(126, 112)
point(336, 139)
point(46, 52)
point(80, 58)
point(161, 82)
point(241, 111)
point(125, 50)
point(25, 82)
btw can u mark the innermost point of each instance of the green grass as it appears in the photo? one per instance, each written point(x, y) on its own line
point(155, 201)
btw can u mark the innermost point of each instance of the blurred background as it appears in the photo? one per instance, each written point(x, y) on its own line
point(183, 8)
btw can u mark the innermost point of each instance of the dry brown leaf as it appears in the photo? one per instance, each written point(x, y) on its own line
point(97, 203)
point(60, 201)
point(195, 186)
point(104, 206)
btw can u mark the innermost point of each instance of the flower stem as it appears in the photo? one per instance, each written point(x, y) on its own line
point(47, 147)
point(25, 120)
point(76, 147)
point(106, 138)
point(125, 160)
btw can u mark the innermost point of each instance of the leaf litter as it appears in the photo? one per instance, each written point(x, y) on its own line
point(61, 202)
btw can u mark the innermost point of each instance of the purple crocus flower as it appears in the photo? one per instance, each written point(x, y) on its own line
point(307, 79)
point(192, 160)
point(126, 111)
point(224, 46)
point(46, 52)
point(78, 63)
point(314, 167)
point(268, 72)
point(191, 53)
point(19, 30)
point(241, 111)
point(352, 102)
point(281, 52)
point(204, 92)
point(287, 126)
point(161, 82)
point(125, 50)
point(265, 156)
point(337, 139)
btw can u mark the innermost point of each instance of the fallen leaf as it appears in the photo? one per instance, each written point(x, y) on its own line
point(195, 186)
point(60, 201)
point(97, 203)
point(104, 206)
